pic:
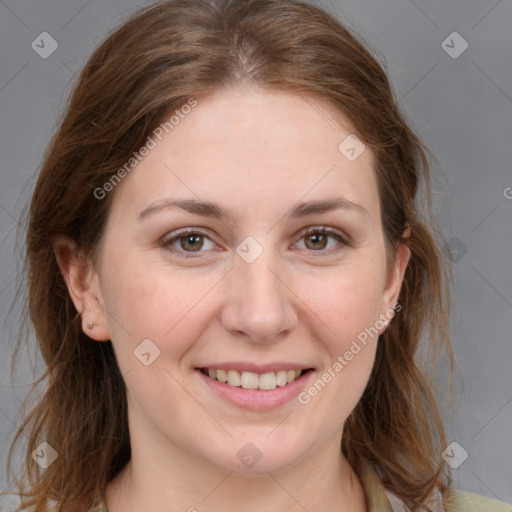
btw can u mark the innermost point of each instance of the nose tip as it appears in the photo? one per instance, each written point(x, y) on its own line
point(258, 304)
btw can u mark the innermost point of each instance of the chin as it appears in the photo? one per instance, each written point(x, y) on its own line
point(258, 454)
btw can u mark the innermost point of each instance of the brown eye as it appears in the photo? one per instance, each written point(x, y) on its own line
point(318, 240)
point(187, 241)
point(191, 242)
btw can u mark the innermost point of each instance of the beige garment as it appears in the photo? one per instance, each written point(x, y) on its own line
point(380, 499)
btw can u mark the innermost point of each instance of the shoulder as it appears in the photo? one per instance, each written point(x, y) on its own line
point(454, 500)
point(464, 501)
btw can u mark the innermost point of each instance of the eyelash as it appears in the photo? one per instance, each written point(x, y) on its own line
point(323, 230)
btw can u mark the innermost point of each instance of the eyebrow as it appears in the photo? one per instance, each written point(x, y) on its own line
point(210, 209)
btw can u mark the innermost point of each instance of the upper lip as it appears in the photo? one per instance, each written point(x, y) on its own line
point(256, 368)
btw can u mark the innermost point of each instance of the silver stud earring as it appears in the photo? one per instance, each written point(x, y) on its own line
point(90, 325)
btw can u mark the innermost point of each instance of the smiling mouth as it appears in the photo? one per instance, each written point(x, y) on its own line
point(251, 380)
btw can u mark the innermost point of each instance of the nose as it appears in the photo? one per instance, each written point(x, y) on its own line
point(259, 307)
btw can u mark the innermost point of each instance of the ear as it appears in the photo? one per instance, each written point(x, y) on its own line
point(396, 276)
point(82, 282)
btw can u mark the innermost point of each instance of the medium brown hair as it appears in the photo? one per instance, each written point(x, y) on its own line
point(161, 57)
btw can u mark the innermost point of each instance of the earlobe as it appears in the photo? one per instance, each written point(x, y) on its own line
point(402, 257)
point(83, 287)
point(396, 276)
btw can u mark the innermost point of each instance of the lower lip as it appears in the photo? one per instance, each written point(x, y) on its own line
point(257, 399)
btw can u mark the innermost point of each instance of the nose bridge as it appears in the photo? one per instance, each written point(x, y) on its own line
point(258, 302)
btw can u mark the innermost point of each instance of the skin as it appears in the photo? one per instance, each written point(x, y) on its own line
point(256, 153)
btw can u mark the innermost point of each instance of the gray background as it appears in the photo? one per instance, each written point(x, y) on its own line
point(462, 107)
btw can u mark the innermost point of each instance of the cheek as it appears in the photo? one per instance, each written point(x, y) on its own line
point(342, 312)
point(345, 302)
point(151, 301)
point(145, 299)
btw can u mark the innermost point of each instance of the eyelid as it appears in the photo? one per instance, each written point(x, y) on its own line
point(341, 237)
point(172, 237)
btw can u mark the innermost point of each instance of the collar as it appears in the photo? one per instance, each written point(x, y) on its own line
point(375, 493)
point(376, 497)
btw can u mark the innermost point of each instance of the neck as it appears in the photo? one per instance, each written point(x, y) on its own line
point(157, 480)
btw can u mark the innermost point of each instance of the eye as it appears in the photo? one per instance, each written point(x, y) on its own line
point(188, 241)
point(317, 239)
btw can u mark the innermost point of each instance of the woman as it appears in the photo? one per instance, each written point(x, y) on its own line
point(229, 276)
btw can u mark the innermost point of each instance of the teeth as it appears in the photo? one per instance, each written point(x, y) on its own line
point(252, 380)
point(249, 380)
point(281, 378)
point(233, 378)
point(268, 380)
point(222, 376)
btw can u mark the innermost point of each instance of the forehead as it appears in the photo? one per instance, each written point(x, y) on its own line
point(250, 148)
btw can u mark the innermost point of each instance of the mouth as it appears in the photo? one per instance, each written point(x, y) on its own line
point(255, 390)
point(252, 380)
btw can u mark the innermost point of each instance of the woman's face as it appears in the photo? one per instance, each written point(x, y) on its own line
point(247, 291)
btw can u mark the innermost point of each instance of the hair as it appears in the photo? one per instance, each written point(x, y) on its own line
point(161, 57)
